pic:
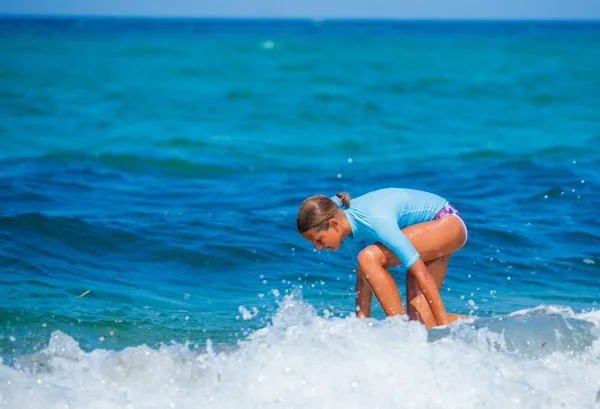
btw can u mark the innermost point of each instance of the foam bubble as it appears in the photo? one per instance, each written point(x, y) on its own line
point(304, 360)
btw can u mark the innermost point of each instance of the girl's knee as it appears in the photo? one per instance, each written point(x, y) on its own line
point(371, 255)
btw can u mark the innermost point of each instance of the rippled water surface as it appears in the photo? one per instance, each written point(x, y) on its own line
point(160, 165)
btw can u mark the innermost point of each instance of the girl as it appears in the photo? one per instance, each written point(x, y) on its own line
point(384, 228)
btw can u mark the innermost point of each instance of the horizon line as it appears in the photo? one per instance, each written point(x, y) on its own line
point(57, 16)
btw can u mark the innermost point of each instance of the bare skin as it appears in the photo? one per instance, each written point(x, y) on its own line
point(434, 240)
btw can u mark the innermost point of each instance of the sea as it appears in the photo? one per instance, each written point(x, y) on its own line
point(150, 175)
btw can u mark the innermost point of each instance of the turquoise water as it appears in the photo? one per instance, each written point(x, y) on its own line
point(159, 164)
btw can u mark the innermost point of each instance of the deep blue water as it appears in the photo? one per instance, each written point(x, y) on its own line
point(160, 164)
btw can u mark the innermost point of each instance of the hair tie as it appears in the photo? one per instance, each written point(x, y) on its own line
point(337, 201)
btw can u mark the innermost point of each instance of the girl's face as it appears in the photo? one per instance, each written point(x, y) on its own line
point(329, 239)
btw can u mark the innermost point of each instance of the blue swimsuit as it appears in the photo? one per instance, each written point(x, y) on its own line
point(378, 216)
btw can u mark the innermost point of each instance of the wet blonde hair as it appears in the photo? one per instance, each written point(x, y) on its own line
point(316, 211)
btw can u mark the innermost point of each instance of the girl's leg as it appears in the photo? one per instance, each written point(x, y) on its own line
point(364, 295)
point(371, 262)
point(416, 303)
point(437, 238)
point(432, 240)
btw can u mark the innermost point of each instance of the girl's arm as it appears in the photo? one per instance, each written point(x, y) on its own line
point(420, 271)
point(364, 295)
point(390, 235)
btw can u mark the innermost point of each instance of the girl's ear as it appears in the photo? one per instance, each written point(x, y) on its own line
point(334, 224)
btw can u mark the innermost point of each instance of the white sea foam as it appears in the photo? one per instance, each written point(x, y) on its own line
point(302, 360)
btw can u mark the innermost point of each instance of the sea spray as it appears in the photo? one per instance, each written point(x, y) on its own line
point(304, 360)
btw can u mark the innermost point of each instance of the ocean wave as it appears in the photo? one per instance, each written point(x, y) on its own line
point(59, 239)
point(179, 158)
point(72, 231)
point(548, 357)
point(130, 163)
point(182, 143)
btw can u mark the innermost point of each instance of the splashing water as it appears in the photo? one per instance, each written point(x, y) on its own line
point(304, 360)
